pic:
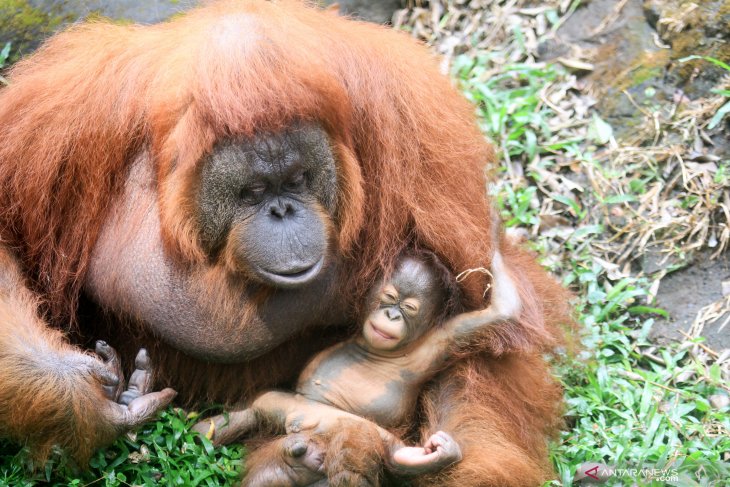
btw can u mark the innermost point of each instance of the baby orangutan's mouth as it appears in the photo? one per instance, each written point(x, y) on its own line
point(381, 332)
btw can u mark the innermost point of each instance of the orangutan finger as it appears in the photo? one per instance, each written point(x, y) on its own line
point(141, 379)
point(112, 385)
point(98, 370)
point(102, 373)
point(105, 351)
point(140, 383)
point(145, 408)
point(142, 361)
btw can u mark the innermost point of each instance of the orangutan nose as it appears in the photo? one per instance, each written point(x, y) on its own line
point(280, 209)
point(393, 314)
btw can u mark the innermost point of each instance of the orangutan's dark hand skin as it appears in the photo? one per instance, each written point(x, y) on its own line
point(135, 404)
point(223, 190)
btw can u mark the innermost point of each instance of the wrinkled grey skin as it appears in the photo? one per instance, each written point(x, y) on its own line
point(266, 201)
point(267, 192)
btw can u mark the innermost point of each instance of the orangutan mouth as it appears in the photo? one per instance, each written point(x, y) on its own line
point(381, 332)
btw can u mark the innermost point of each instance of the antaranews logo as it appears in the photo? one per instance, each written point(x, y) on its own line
point(593, 472)
point(598, 473)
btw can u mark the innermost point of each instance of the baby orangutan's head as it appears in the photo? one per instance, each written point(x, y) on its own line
point(408, 303)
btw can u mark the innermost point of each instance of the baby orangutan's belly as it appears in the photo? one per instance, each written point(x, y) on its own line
point(387, 403)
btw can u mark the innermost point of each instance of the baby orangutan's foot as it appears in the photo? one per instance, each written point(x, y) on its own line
point(438, 452)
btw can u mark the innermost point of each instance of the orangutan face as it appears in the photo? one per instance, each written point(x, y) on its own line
point(264, 211)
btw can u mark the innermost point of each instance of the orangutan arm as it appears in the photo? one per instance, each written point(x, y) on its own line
point(505, 306)
point(53, 394)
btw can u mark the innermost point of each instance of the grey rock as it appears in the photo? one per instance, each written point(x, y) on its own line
point(378, 11)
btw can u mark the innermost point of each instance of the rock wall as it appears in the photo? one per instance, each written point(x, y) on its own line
point(25, 23)
point(636, 46)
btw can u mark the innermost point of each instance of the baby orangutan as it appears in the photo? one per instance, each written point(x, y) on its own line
point(377, 375)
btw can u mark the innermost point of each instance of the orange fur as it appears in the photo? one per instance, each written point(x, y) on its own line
point(411, 173)
point(354, 455)
point(501, 412)
point(40, 409)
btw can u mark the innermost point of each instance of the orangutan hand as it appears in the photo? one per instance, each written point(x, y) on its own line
point(127, 409)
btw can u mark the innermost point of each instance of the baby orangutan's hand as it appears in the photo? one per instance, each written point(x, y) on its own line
point(437, 453)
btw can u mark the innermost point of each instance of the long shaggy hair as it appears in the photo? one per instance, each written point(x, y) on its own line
point(411, 170)
point(411, 157)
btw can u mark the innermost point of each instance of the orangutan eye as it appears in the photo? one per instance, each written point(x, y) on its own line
point(253, 193)
point(295, 183)
point(389, 298)
point(410, 308)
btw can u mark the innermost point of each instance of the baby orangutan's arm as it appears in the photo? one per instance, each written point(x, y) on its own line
point(504, 306)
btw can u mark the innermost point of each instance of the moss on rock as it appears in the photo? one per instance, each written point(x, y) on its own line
point(695, 28)
point(26, 26)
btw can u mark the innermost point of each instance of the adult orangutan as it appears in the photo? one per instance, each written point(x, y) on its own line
point(220, 187)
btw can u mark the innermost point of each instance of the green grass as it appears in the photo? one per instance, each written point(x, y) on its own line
point(623, 408)
point(162, 453)
point(5, 54)
point(631, 412)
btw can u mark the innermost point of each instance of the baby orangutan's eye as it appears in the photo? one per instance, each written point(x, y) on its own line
point(410, 308)
point(389, 296)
